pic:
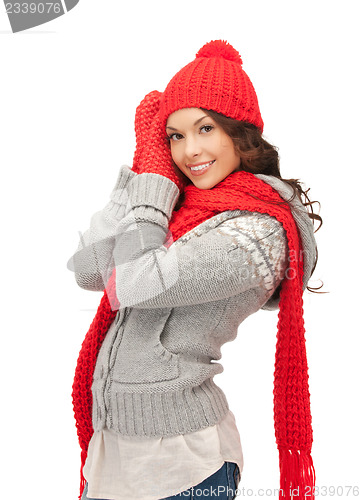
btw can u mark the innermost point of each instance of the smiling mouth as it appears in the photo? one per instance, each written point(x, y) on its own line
point(202, 166)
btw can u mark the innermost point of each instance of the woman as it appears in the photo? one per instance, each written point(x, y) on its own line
point(198, 235)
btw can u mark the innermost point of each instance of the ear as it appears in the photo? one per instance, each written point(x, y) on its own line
point(144, 116)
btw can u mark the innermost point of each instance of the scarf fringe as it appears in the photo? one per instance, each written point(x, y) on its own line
point(82, 478)
point(298, 476)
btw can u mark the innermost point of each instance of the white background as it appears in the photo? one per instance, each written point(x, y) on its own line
point(69, 89)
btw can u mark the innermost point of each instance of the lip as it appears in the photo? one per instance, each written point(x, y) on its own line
point(200, 172)
point(189, 165)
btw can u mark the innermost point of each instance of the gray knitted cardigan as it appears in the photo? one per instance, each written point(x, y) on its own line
point(178, 304)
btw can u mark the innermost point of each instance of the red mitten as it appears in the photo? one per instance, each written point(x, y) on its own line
point(144, 116)
point(156, 155)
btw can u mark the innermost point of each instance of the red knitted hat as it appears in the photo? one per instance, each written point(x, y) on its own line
point(215, 80)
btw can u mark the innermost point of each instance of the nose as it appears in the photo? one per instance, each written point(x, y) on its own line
point(192, 147)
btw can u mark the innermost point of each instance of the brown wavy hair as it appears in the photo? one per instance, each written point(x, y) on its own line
point(260, 157)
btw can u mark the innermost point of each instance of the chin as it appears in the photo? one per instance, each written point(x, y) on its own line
point(204, 186)
point(205, 183)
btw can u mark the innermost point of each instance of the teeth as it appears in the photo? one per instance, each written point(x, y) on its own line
point(200, 167)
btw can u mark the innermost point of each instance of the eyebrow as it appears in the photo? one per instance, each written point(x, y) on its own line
point(195, 123)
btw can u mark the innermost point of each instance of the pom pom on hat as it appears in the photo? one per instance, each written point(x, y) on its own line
point(214, 80)
point(220, 48)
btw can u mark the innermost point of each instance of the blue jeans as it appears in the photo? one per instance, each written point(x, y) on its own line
point(221, 485)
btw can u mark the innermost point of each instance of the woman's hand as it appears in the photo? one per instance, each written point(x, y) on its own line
point(156, 156)
point(144, 115)
point(153, 153)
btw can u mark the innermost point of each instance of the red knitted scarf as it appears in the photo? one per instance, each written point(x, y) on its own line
point(292, 416)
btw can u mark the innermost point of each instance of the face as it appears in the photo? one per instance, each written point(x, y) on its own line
point(200, 148)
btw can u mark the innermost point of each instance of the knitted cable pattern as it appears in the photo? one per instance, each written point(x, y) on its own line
point(292, 415)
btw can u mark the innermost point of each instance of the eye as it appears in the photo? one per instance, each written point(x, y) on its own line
point(206, 129)
point(175, 137)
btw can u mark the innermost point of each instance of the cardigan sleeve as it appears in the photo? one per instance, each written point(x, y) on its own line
point(93, 260)
point(241, 253)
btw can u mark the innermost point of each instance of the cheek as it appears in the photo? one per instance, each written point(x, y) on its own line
point(226, 150)
point(226, 146)
point(229, 151)
point(235, 158)
point(230, 156)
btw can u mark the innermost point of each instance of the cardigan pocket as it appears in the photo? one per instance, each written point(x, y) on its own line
point(140, 356)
